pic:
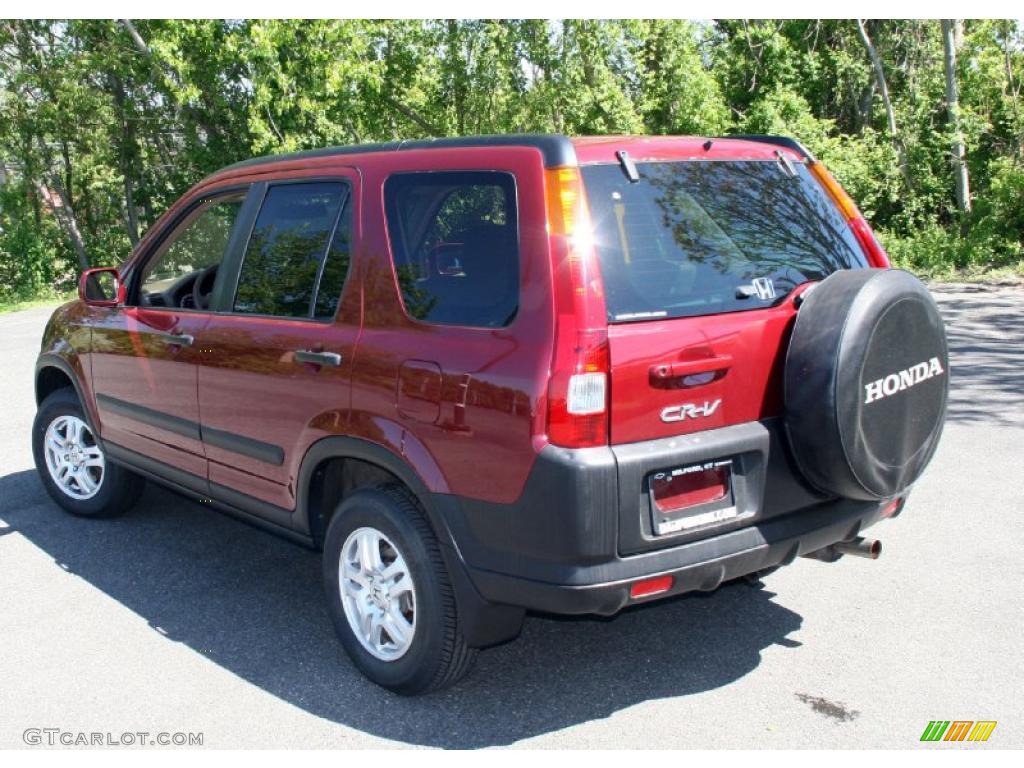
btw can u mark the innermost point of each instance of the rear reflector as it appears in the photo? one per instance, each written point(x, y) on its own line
point(649, 587)
point(891, 508)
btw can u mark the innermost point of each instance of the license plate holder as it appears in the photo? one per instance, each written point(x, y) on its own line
point(692, 496)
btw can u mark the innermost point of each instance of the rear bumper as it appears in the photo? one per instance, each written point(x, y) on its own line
point(699, 566)
point(580, 534)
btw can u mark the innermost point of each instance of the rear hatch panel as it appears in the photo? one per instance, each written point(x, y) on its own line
point(701, 263)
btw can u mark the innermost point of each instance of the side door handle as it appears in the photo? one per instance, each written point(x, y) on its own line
point(332, 359)
point(180, 340)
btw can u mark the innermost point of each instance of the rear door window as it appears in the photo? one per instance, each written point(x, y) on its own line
point(454, 241)
point(704, 237)
point(296, 259)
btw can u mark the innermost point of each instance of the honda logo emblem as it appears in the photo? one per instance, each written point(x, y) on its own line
point(765, 288)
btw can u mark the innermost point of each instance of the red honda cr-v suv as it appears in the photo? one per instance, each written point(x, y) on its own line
point(494, 374)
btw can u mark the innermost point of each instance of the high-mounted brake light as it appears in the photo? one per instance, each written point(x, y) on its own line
point(578, 390)
point(872, 248)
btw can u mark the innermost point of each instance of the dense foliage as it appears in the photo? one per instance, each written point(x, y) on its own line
point(104, 123)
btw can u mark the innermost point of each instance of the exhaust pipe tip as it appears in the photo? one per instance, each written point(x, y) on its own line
point(860, 547)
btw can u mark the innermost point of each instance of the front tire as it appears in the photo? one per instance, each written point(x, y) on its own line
point(72, 465)
point(389, 595)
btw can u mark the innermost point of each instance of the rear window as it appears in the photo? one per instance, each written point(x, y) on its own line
point(705, 237)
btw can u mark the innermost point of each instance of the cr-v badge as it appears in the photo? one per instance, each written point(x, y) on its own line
point(689, 411)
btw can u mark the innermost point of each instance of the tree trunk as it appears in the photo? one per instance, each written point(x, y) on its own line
point(127, 158)
point(883, 89)
point(66, 216)
point(65, 213)
point(959, 151)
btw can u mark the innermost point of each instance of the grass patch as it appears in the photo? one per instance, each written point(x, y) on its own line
point(14, 303)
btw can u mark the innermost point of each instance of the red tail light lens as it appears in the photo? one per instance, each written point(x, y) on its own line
point(578, 390)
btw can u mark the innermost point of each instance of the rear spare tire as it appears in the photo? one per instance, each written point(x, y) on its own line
point(866, 382)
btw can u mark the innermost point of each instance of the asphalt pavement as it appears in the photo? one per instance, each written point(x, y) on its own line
point(177, 619)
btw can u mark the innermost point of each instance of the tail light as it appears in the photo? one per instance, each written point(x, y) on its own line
point(578, 388)
point(861, 230)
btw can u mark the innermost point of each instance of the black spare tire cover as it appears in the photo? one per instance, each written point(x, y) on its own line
point(866, 381)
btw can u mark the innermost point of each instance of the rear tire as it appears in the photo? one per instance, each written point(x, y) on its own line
point(393, 581)
point(72, 464)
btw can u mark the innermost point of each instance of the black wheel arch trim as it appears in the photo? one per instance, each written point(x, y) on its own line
point(50, 360)
point(483, 623)
point(345, 447)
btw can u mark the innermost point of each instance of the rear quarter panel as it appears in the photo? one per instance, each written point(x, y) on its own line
point(493, 381)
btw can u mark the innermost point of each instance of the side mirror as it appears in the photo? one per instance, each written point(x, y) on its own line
point(101, 287)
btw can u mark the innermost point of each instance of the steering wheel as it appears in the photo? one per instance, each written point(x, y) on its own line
point(202, 287)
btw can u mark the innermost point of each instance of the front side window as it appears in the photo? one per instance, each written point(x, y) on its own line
point(454, 240)
point(294, 248)
point(191, 255)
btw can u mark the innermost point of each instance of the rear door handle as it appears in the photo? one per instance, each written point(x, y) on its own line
point(690, 372)
point(332, 359)
point(180, 340)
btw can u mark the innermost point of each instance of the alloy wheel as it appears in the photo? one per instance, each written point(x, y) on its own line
point(73, 458)
point(377, 593)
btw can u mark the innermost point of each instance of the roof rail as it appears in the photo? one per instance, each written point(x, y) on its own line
point(556, 149)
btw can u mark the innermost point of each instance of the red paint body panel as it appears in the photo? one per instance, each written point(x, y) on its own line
point(68, 337)
point(747, 390)
point(602, 149)
point(492, 380)
point(132, 361)
point(251, 385)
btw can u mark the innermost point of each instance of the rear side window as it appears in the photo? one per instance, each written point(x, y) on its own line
point(704, 237)
point(454, 240)
point(294, 249)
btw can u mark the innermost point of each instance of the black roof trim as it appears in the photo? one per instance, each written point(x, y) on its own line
point(779, 141)
point(557, 150)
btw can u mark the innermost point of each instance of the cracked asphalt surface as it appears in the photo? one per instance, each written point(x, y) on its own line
point(176, 618)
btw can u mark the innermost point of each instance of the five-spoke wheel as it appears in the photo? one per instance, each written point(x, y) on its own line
point(377, 593)
point(72, 464)
point(389, 593)
point(73, 458)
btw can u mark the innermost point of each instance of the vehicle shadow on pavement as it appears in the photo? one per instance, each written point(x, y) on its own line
point(985, 332)
point(253, 604)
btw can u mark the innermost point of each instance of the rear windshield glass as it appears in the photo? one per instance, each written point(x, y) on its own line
point(704, 237)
